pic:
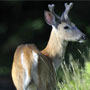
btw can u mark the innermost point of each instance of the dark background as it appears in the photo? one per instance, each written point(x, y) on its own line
point(23, 22)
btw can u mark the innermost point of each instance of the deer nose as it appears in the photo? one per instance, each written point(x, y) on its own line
point(84, 37)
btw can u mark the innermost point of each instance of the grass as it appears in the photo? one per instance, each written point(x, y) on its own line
point(74, 76)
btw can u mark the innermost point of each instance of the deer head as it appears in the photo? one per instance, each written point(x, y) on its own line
point(65, 29)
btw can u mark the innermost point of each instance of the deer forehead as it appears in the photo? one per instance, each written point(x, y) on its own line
point(63, 24)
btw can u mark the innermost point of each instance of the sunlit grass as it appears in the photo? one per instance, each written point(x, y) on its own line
point(75, 77)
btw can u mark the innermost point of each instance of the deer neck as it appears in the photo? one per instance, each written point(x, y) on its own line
point(55, 48)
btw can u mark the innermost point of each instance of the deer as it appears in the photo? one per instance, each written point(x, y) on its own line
point(33, 69)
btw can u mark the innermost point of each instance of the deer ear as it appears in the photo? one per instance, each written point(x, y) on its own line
point(49, 17)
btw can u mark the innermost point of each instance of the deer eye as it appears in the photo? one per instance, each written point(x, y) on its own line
point(66, 27)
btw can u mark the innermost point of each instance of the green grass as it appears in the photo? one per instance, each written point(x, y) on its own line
point(74, 76)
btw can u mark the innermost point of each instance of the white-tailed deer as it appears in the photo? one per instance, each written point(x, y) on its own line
point(35, 70)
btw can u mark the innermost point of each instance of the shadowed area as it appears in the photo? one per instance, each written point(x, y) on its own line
point(6, 83)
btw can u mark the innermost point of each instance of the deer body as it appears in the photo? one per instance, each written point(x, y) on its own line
point(35, 70)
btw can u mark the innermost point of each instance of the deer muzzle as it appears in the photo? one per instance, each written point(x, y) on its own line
point(82, 39)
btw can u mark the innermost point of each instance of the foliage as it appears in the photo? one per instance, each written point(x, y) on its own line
point(75, 77)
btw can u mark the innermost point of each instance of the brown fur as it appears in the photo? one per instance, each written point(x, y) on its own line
point(46, 74)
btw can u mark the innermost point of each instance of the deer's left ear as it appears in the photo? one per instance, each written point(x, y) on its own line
point(50, 18)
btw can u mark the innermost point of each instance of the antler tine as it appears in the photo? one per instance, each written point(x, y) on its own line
point(51, 8)
point(67, 9)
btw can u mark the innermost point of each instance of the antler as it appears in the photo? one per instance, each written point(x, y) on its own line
point(51, 8)
point(65, 13)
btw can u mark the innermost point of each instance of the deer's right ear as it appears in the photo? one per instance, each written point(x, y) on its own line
point(49, 17)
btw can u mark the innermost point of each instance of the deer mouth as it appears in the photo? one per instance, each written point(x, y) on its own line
point(81, 41)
